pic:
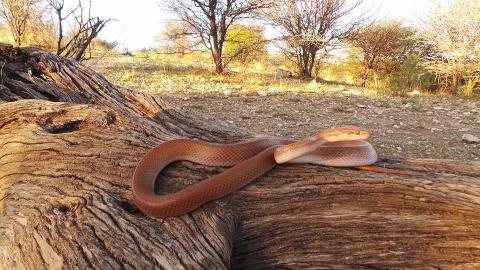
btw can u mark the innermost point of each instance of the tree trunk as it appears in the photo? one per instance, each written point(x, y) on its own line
point(70, 140)
point(217, 60)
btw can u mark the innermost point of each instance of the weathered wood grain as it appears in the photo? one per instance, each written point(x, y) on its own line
point(70, 140)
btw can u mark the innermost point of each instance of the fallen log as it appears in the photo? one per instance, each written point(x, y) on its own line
point(70, 140)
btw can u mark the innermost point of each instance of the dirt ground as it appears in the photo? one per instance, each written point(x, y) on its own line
point(424, 127)
point(413, 127)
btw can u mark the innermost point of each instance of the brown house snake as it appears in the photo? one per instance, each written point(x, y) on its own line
point(341, 147)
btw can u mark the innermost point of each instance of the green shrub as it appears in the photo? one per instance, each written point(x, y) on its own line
point(244, 44)
point(410, 76)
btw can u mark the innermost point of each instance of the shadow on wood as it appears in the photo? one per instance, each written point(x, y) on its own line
point(70, 140)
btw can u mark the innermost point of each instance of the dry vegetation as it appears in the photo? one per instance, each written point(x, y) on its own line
point(384, 56)
point(427, 126)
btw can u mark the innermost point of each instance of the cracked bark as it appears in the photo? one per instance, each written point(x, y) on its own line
point(70, 140)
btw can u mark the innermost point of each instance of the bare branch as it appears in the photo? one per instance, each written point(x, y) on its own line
point(209, 20)
point(82, 32)
point(308, 26)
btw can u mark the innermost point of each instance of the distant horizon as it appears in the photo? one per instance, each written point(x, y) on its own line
point(135, 27)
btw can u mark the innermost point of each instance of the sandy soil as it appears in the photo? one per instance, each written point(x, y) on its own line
point(423, 127)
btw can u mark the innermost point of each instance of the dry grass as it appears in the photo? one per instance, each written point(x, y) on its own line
point(422, 127)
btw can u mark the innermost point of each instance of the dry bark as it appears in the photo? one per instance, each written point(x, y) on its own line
point(70, 140)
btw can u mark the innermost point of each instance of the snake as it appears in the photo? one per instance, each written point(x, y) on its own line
point(336, 147)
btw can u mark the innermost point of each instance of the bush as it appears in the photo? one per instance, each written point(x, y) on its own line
point(411, 76)
point(382, 47)
point(244, 44)
point(452, 34)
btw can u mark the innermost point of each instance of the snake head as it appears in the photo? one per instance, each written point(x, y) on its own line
point(343, 134)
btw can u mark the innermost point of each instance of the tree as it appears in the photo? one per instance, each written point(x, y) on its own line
point(18, 14)
point(383, 47)
point(173, 40)
point(308, 26)
point(244, 44)
point(452, 31)
point(209, 20)
point(75, 43)
point(70, 141)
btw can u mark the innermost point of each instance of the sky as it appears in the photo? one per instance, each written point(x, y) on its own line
point(138, 22)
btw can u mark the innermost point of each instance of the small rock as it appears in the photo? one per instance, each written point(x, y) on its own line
point(438, 108)
point(227, 92)
point(261, 93)
point(435, 120)
point(186, 98)
point(362, 106)
point(378, 111)
point(396, 126)
point(469, 138)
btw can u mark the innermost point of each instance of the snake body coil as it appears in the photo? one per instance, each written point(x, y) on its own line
point(250, 159)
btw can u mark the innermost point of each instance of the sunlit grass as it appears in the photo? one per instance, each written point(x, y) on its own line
point(192, 75)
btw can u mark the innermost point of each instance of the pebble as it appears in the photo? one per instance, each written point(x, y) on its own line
point(227, 92)
point(469, 138)
point(378, 111)
point(262, 93)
